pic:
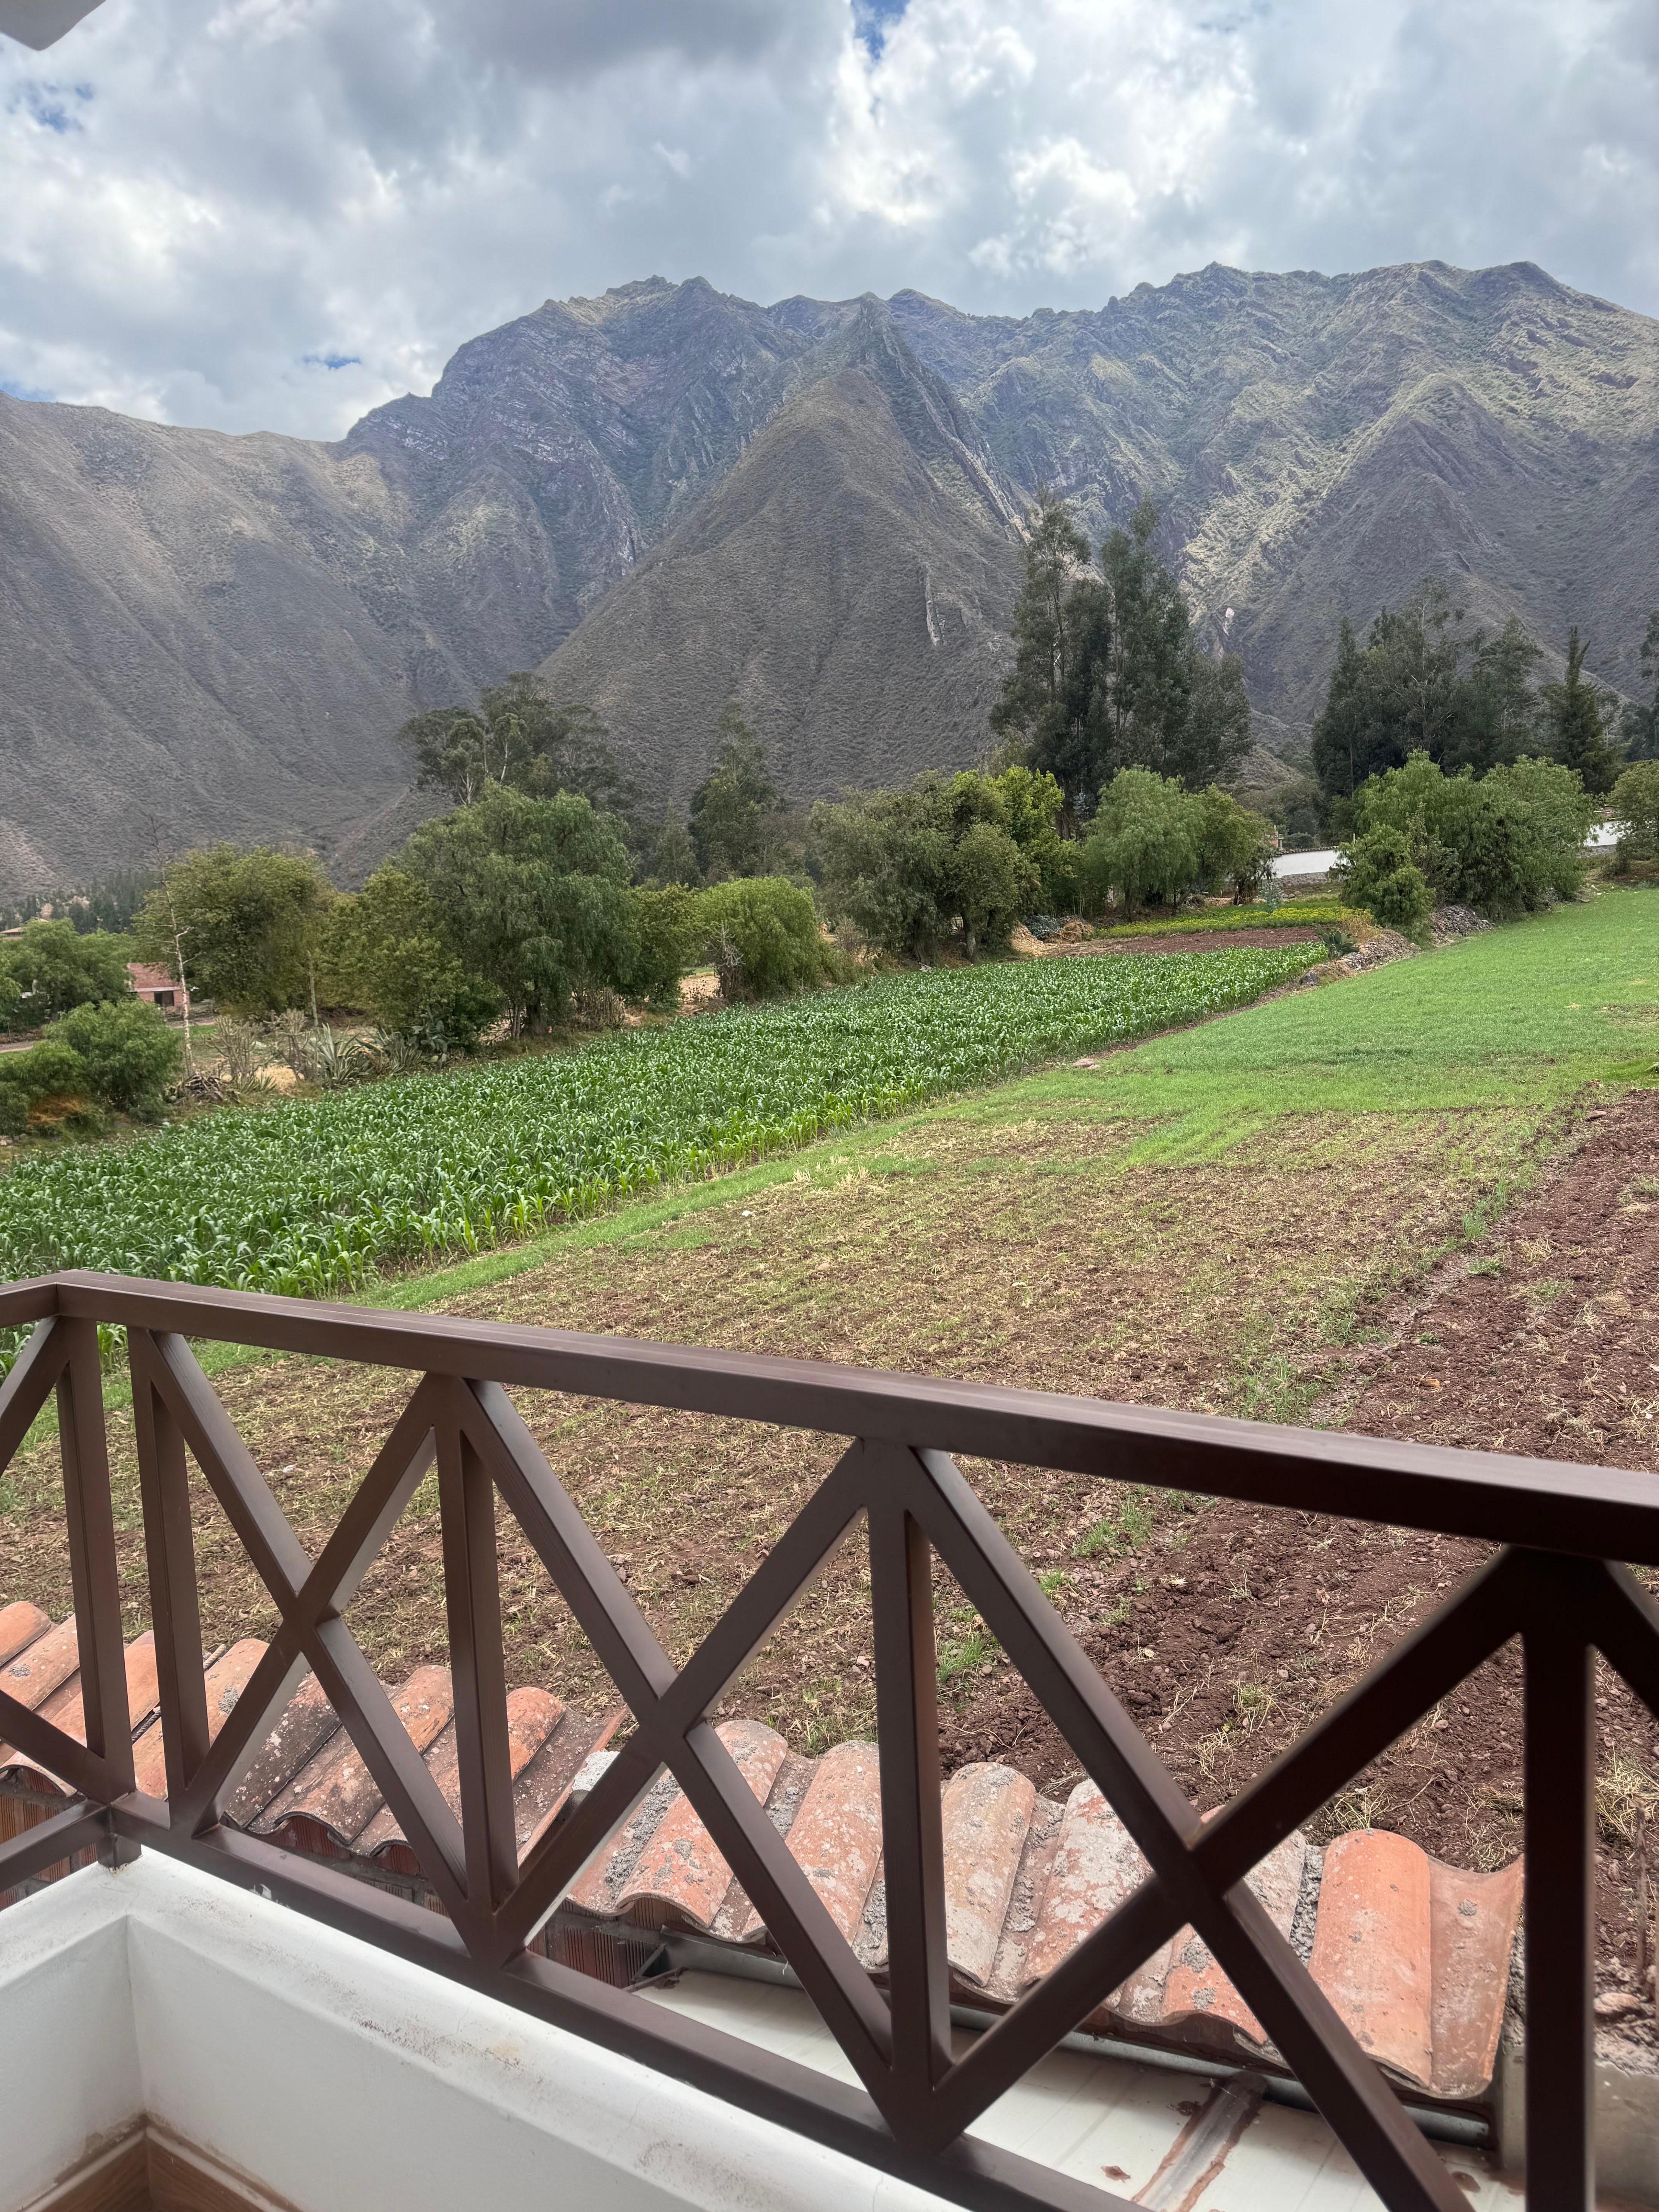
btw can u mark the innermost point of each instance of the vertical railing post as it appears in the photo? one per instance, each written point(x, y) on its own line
point(170, 1547)
point(466, 1499)
point(94, 1574)
point(1561, 1918)
point(907, 1732)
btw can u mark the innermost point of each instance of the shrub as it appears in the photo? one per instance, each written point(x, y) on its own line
point(671, 936)
point(385, 951)
point(1510, 843)
point(962, 854)
point(128, 1053)
point(51, 1069)
point(762, 933)
point(1382, 877)
point(1636, 809)
point(1232, 844)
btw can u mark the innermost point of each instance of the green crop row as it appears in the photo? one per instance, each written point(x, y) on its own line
point(311, 1197)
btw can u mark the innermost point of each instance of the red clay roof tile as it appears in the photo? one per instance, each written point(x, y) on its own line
point(1372, 1948)
point(304, 1725)
point(680, 1875)
point(39, 1668)
point(531, 1716)
point(1414, 1955)
point(1097, 1864)
point(1473, 1918)
point(836, 1835)
point(66, 1710)
point(20, 1625)
point(986, 1815)
point(335, 1791)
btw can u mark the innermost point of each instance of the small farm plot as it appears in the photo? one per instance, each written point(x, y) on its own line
point(311, 1197)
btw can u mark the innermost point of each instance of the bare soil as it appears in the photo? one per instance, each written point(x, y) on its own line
point(1230, 1628)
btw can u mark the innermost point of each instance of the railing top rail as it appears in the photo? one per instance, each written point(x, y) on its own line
point(1590, 1512)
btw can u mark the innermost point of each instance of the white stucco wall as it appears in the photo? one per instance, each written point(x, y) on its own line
point(336, 2075)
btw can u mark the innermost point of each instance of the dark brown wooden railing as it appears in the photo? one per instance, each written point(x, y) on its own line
point(1558, 1580)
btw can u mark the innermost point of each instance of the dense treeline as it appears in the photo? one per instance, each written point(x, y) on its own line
point(1425, 682)
point(1107, 671)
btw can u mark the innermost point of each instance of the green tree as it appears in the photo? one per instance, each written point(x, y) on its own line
point(1108, 673)
point(734, 812)
point(1143, 844)
point(1636, 809)
point(1232, 844)
point(1640, 726)
point(1425, 683)
point(53, 967)
point(665, 854)
point(129, 1055)
point(250, 924)
point(762, 934)
point(49, 1069)
point(1510, 841)
point(1579, 716)
point(11, 998)
point(533, 898)
point(386, 951)
point(950, 856)
point(518, 738)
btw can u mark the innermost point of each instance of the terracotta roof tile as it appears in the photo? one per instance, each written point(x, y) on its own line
point(836, 1835)
point(305, 1724)
point(545, 1784)
point(1473, 1918)
point(680, 1875)
point(20, 1625)
point(1414, 1955)
point(1372, 1948)
point(227, 1678)
point(1096, 1865)
point(531, 1716)
point(66, 1709)
point(986, 1815)
point(41, 1668)
point(335, 1792)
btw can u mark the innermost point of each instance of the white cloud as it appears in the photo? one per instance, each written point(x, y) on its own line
point(275, 213)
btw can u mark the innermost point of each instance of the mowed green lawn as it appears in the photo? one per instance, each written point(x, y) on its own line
point(1209, 1220)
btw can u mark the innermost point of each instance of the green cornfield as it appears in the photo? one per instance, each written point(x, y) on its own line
point(317, 1196)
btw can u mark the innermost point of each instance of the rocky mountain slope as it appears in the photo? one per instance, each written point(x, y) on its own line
point(672, 498)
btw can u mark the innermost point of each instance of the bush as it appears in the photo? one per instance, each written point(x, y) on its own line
point(1512, 841)
point(1636, 809)
point(128, 1053)
point(50, 1070)
point(1382, 877)
point(762, 933)
point(52, 968)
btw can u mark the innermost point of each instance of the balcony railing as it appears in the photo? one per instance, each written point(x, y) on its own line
point(1558, 1580)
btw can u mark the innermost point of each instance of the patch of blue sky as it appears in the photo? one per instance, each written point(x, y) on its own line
point(871, 18)
point(17, 390)
point(53, 106)
point(332, 360)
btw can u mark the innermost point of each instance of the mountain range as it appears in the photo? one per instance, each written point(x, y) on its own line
point(669, 499)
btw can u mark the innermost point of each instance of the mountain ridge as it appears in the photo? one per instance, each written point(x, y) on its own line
point(669, 496)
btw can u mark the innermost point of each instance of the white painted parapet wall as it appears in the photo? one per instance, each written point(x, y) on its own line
point(333, 2074)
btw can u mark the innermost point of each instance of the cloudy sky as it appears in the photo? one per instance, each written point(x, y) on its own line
point(273, 214)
